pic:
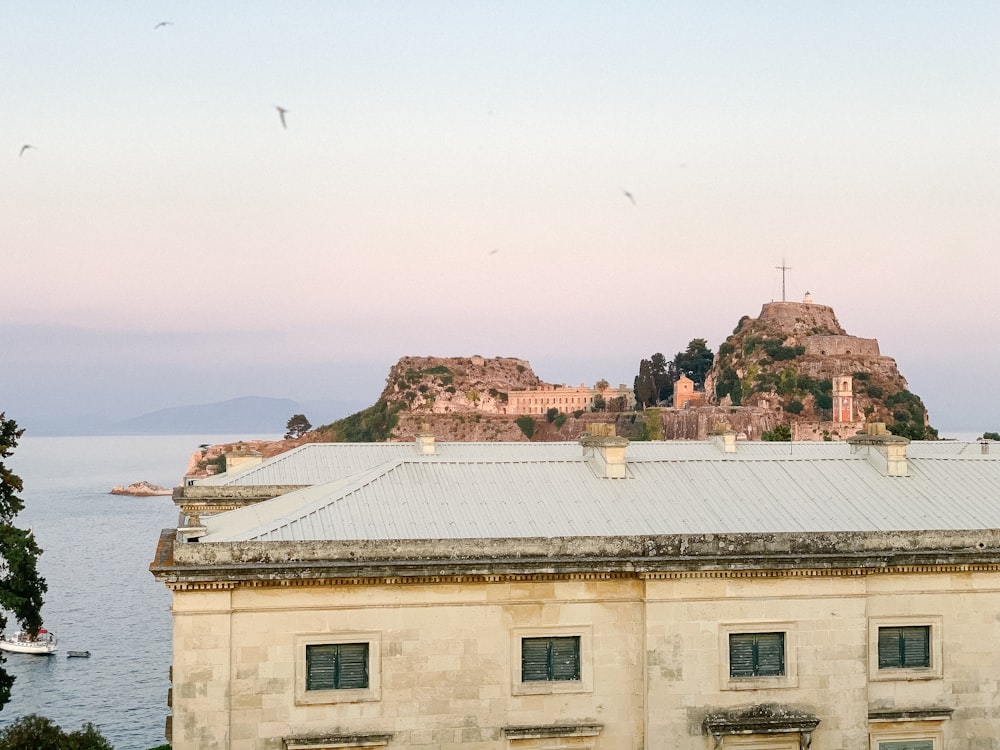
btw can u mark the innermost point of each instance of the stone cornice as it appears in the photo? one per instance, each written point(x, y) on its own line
point(226, 565)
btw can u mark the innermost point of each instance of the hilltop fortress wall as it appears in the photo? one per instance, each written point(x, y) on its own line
point(841, 346)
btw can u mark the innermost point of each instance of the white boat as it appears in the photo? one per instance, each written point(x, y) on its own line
point(43, 642)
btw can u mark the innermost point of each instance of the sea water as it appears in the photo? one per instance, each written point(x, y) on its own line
point(101, 597)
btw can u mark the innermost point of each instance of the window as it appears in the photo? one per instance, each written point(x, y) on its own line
point(550, 659)
point(904, 647)
point(756, 654)
point(337, 666)
point(907, 745)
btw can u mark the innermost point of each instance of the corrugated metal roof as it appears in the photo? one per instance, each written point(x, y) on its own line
point(314, 463)
point(539, 490)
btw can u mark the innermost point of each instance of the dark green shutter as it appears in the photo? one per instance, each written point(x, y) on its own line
point(352, 666)
point(770, 654)
point(756, 654)
point(565, 658)
point(534, 659)
point(341, 666)
point(321, 667)
point(904, 647)
point(907, 745)
point(741, 655)
point(550, 659)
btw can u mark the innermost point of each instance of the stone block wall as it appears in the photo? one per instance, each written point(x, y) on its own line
point(653, 652)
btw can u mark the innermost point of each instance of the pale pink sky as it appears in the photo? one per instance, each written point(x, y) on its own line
point(168, 242)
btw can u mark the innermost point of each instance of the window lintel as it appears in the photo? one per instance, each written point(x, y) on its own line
point(934, 713)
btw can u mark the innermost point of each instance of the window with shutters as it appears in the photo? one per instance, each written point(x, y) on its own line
point(904, 648)
point(554, 658)
point(337, 667)
point(551, 660)
point(907, 735)
point(757, 655)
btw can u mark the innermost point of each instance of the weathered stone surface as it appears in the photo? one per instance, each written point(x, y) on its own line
point(462, 385)
point(141, 489)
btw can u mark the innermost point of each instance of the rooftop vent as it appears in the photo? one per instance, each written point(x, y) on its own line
point(726, 441)
point(886, 451)
point(608, 455)
point(425, 442)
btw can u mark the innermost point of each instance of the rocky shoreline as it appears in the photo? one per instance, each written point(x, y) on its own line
point(141, 489)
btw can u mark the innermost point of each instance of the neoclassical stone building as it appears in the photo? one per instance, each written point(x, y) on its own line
point(692, 595)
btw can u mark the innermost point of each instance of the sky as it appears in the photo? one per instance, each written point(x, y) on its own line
point(454, 179)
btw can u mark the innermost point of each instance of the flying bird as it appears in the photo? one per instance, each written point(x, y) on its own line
point(24, 148)
point(281, 114)
point(629, 196)
point(163, 23)
point(494, 251)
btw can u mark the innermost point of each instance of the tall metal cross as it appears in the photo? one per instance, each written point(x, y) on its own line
point(783, 268)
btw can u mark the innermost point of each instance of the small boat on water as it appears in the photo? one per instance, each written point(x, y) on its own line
point(78, 654)
point(43, 642)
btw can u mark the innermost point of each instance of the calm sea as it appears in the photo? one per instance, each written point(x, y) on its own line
point(96, 552)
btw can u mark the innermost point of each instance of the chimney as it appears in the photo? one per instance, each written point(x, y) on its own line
point(725, 438)
point(425, 441)
point(607, 455)
point(889, 452)
point(984, 446)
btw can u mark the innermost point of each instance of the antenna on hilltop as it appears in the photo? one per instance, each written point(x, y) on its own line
point(783, 268)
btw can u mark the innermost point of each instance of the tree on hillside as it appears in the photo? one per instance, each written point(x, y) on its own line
point(645, 386)
point(695, 362)
point(21, 586)
point(664, 375)
point(297, 426)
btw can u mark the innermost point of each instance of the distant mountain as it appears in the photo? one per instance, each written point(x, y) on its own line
point(250, 415)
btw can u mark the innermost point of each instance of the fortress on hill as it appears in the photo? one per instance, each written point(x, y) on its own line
point(793, 364)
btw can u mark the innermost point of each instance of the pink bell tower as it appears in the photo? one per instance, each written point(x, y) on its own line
point(843, 399)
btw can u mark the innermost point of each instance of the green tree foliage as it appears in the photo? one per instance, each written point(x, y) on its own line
point(782, 433)
point(695, 361)
point(297, 426)
point(909, 416)
point(527, 425)
point(664, 375)
point(794, 407)
point(551, 414)
point(371, 425)
point(599, 403)
point(990, 436)
point(780, 353)
point(645, 387)
point(728, 384)
point(33, 732)
point(559, 421)
point(21, 585)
